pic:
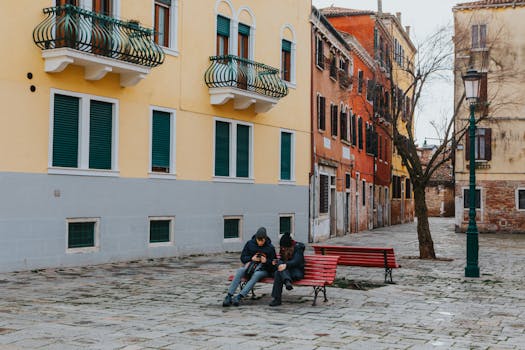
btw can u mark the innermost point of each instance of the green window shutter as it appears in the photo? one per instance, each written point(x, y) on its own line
point(286, 156)
point(231, 228)
point(81, 234)
point(164, 2)
point(65, 131)
point(286, 46)
point(244, 29)
point(243, 151)
point(159, 231)
point(222, 149)
point(160, 141)
point(285, 224)
point(223, 26)
point(100, 134)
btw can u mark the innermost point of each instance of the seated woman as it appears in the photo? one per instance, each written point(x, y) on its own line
point(290, 267)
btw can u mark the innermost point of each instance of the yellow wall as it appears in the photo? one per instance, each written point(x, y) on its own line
point(177, 84)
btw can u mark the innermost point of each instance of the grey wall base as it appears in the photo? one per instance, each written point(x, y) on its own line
point(34, 209)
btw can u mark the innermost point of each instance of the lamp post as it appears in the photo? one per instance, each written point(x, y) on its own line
point(471, 81)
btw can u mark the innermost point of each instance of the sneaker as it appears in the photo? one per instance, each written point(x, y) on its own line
point(237, 299)
point(288, 285)
point(275, 302)
point(227, 300)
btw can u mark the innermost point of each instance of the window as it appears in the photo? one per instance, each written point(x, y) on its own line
point(286, 224)
point(344, 125)
point(347, 181)
point(243, 46)
point(482, 144)
point(233, 149)
point(333, 118)
point(321, 112)
point(223, 35)
point(354, 130)
point(84, 135)
point(286, 59)
point(82, 234)
point(479, 36)
point(287, 155)
point(396, 187)
point(160, 230)
point(466, 198)
point(319, 54)
point(162, 141)
point(408, 190)
point(363, 191)
point(520, 198)
point(333, 66)
point(165, 23)
point(360, 132)
point(360, 81)
point(232, 227)
point(370, 84)
point(482, 105)
point(323, 194)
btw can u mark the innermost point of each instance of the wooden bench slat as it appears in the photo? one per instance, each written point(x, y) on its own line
point(361, 256)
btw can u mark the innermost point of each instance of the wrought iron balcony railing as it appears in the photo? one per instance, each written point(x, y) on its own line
point(68, 26)
point(235, 72)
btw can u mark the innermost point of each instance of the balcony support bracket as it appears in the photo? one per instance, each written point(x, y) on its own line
point(243, 102)
point(96, 72)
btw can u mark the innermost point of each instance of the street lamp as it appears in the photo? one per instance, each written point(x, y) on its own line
point(471, 81)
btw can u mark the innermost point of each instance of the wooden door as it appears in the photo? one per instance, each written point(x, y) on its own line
point(66, 30)
point(242, 52)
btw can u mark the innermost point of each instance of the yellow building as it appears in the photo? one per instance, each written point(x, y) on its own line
point(489, 37)
point(119, 142)
point(403, 54)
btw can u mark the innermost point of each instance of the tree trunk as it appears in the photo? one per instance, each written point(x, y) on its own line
point(426, 245)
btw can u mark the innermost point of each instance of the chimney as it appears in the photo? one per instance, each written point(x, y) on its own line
point(407, 29)
point(379, 7)
point(398, 15)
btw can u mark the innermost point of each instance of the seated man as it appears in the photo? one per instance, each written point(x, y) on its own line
point(260, 250)
point(290, 267)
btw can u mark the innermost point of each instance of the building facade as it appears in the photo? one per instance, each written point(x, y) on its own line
point(332, 162)
point(402, 62)
point(371, 99)
point(489, 36)
point(120, 142)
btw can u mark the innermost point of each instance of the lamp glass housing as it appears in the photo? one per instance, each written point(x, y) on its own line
point(471, 81)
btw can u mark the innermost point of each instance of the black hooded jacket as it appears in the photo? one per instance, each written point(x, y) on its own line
point(296, 263)
point(251, 248)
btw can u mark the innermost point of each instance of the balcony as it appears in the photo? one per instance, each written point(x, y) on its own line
point(101, 44)
point(245, 82)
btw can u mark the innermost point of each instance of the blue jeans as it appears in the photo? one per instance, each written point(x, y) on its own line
point(256, 277)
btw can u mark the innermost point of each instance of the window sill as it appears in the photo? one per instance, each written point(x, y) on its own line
point(319, 67)
point(233, 179)
point(163, 176)
point(160, 244)
point(346, 142)
point(232, 240)
point(287, 182)
point(82, 250)
point(82, 172)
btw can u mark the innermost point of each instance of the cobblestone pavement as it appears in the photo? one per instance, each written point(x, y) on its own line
point(176, 303)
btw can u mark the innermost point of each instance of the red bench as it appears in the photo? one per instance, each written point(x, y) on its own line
point(362, 256)
point(319, 272)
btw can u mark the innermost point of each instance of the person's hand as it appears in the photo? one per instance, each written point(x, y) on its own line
point(281, 267)
point(256, 257)
point(263, 259)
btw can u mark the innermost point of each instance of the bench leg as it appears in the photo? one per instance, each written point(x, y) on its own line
point(243, 283)
point(317, 289)
point(388, 275)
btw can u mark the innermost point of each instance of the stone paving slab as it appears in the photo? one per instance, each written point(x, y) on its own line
point(176, 303)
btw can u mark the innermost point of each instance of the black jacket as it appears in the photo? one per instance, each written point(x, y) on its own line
point(296, 263)
point(251, 248)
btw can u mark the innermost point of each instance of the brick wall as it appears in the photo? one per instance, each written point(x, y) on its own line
point(498, 211)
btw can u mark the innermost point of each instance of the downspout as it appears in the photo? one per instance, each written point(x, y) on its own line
point(311, 197)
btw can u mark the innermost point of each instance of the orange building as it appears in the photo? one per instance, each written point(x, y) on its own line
point(370, 102)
